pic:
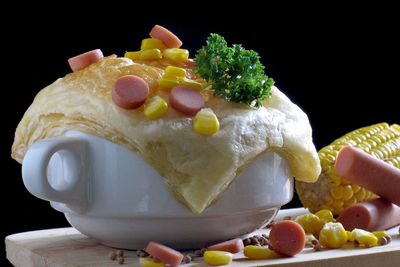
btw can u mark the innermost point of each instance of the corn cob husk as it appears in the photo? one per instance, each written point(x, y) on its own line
point(336, 193)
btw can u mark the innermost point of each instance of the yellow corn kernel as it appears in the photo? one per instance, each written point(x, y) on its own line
point(360, 195)
point(350, 202)
point(155, 108)
point(133, 55)
point(150, 43)
point(191, 84)
point(350, 237)
point(325, 216)
point(333, 235)
point(178, 55)
point(337, 205)
point(174, 72)
point(380, 234)
point(347, 192)
point(258, 252)
point(310, 223)
point(214, 257)
point(150, 54)
point(206, 122)
point(309, 239)
point(355, 188)
point(168, 83)
point(364, 237)
point(337, 192)
point(149, 262)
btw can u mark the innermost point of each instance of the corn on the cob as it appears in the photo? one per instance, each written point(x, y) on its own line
point(336, 193)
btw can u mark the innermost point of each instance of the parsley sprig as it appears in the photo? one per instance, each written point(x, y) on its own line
point(235, 74)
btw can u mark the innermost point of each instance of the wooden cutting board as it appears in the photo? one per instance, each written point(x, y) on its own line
point(66, 247)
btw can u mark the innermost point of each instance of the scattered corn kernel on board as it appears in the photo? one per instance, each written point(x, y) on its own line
point(67, 247)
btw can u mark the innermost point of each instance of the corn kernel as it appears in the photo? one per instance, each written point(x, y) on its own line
point(150, 54)
point(350, 202)
point(310, 223)
point(149, 262)
point(380, 234)
point(174, 72)
point(206, 122)
point(355, 188)
point(168, 83)
point(333, 235)
point(155, 108)
point(309, 239)
point(337, 192)
point(192, 84)
point(214, 257)
point(350, 237)
point(347, 192)
point(150, 43)
point(258, 252)
point(325, 216)
point(133, 55)
point(176, 54)
point(360, 195)
point(337, 205)
point(364, 237)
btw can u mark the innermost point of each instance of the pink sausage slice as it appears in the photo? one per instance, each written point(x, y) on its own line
point(83, 60)
point(372, 215)
point(168, 38)
point(232, 246)
point(164, 253)
point(130, 92)
point(369, 172)
point(287, 238)
point(186, 100)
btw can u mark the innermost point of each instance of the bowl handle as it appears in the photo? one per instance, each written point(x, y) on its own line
point(55, 169)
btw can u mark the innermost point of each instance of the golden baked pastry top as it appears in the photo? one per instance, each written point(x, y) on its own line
point(197, 168)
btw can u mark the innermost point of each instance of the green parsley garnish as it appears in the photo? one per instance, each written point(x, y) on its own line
point(235, 74)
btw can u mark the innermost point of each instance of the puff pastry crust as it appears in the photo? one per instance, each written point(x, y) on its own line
point(196, 168)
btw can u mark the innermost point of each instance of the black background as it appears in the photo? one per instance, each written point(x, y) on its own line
point(340, 64)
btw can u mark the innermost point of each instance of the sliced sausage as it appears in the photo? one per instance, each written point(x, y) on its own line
point(369, 172)
point(167, 37)
point(287, 238)
point(83, 60)
point(186, 100)
point(232, 246)
point(372, 215)
point(165, 254)
point(130, 92)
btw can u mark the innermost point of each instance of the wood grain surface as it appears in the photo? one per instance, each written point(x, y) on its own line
point(66, 247)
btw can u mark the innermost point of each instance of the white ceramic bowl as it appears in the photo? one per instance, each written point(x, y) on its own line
point(112, 195)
